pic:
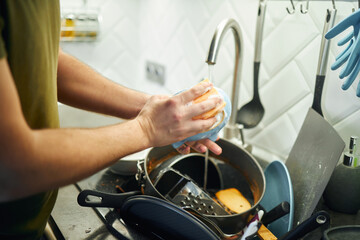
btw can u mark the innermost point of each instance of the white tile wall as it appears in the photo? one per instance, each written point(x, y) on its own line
point(177, 33)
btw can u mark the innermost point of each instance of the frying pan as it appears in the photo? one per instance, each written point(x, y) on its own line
point(317, 148)
point(161, 219)
point(235, 167)
point(278, 189)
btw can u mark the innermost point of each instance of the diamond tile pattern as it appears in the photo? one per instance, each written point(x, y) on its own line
point(177, 33)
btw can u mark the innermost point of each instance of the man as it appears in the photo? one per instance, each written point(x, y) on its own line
point(35, 156)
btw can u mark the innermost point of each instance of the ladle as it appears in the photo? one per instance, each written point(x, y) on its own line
point(252, 112)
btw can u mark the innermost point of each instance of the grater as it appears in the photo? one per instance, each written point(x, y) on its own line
point(185, 193)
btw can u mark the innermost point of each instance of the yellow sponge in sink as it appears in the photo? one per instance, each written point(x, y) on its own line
point(221, 113)
point(209, 94)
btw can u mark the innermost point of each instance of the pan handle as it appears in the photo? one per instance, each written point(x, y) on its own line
point(316, 220)
point(112, 200)
point(277, 212)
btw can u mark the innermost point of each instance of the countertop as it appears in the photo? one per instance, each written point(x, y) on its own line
point(75, 222)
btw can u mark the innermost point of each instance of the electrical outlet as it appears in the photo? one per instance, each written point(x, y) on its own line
point(155, 72)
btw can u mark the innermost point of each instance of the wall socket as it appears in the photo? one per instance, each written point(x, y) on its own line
point(155, 72)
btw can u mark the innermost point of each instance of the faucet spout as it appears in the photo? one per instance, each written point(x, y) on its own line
point(230, 130)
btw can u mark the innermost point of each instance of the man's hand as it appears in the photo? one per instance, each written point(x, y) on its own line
point(165, 120)
point(200, 146)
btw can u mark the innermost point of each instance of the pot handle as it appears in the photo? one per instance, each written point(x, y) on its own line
point(316, 220)
point(112, 200)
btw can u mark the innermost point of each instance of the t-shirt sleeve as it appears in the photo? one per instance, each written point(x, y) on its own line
point(2, 43)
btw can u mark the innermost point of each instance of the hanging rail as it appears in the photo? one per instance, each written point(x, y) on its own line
point(304, 8)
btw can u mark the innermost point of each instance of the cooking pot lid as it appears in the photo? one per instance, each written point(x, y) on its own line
point(157, 217)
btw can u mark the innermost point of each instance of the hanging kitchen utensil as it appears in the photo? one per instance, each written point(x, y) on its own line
point(318, 146)
point(252, 112)
point(278, 189)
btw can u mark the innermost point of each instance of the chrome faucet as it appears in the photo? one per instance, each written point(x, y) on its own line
point(231, 130)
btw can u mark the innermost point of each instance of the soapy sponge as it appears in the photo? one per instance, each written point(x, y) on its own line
point(210, 93)
point(222, 113)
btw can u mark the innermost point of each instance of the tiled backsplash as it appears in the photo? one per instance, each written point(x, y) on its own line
point(177, 34)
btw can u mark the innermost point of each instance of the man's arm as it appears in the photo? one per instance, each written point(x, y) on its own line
point(32, 161)
point(80, 86)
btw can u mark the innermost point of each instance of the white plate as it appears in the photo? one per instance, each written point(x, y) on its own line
point(128, 165)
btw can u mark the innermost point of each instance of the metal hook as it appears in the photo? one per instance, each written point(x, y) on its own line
point(293, 8)
point(353, 9)
point(306, 9)
point(333, 4)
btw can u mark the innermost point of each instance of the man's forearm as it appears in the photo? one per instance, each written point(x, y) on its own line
point(80, 86)
point(50, 158)
point(37, 160)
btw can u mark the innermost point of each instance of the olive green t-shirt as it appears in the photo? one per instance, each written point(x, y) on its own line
point(29, 40)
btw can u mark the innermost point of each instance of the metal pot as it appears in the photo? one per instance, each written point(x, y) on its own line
point(234, 168)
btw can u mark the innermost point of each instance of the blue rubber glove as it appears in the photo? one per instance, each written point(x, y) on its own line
point(351, 54)
point(344, 55)
point(213, 132)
